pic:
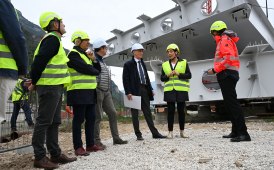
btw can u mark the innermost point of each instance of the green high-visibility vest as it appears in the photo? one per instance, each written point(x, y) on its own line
point(6, 59)
point(79, 80)
point(18, 92)
point(56, 71)
point(174, 82)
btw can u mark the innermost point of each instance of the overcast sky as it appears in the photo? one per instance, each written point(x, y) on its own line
point(99, 17)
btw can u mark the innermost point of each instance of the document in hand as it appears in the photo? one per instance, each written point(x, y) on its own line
point(135, 103)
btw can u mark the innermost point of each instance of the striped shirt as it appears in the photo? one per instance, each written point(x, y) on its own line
point(104, 77)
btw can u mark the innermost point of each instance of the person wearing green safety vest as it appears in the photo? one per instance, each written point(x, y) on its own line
point(19, 98)
point(81, 92)
point(49, 74)
point(175, 75)
point(13, 54)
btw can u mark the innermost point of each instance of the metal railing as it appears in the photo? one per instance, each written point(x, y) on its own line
point(12, 140)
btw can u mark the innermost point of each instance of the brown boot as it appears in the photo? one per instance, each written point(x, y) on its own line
point(45, 163)
point(62, 159)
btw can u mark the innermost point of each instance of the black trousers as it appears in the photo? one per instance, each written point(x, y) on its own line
point(83, 113)
point(47, 121)
point(228, 88)
point(171, 113)
point(145, 106)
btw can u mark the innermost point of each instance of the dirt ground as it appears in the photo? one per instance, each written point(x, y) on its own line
point(13, 160)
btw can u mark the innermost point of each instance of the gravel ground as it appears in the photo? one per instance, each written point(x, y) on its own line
point(205, 149)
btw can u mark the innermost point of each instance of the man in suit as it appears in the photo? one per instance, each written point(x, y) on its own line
point(136, 82)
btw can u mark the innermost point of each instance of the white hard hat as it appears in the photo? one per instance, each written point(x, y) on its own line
point(99, 43)
point(137, 46)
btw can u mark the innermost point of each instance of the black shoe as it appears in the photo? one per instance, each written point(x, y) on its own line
point(158, 136)
point(14, 135)
point(241, 138)
point(120, 142)
point(140, 138)
point(231, 135)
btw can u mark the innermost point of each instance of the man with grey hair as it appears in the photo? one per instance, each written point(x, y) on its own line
point(104, 97)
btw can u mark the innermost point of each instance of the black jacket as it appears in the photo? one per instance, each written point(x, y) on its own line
point(82, 96)
point(13, 35)
point(131, 79)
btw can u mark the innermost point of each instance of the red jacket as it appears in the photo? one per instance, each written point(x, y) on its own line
point(226, 55)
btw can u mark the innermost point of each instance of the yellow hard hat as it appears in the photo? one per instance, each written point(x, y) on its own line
point(46, 17)
point(217, 26)
point(79, 34)
point(173, 47)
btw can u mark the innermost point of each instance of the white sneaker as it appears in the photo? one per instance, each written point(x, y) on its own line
point(170, 135)
point(183, 135)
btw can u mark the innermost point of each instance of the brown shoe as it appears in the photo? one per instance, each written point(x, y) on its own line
point(94, 148)
point(101, 145)
point(81, 152)
point(62, 159)
point(45, 163)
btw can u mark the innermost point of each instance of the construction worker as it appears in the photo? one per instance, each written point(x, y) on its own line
point(175, 75)
point(136, 82)
point(226, 66)
point(104, 97)
point(49, 74)
point(20, 100)
point(13, 54)
point(81, 92)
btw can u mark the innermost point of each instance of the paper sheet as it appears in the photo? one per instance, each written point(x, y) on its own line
point(135, 103)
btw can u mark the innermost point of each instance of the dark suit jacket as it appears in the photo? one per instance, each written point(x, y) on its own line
point(131, 79)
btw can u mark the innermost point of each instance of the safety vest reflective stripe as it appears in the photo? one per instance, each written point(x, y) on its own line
point(18, 92)
point(54, 75)
point(56, 71)
point(177, 84)
point(79, 80)
point(5, 54)
point(83, 81)
point(233, 65)
point(232, 58)
point(2, 41)
point(176, 78)
point(6, 59)
point(174, 83)
point(63, 66)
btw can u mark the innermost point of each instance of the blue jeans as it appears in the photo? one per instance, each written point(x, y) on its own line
point(16, 108)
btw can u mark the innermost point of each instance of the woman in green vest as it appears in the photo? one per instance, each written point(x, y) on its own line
point(175, 75)
point(81, 92)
